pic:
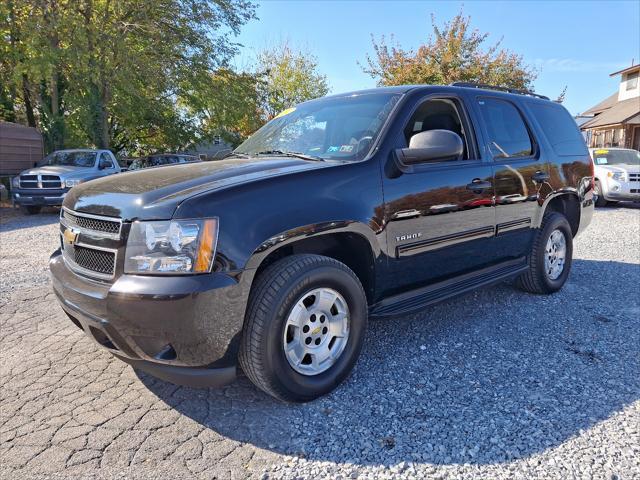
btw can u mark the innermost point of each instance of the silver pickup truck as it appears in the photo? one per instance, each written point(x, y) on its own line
point(48, 182)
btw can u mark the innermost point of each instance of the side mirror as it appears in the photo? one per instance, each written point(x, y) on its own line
point(439, 145)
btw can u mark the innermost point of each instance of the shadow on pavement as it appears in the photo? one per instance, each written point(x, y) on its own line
point(491, 376)
point(14, 219)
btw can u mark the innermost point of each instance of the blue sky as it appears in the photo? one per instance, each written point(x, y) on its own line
point(577, 44)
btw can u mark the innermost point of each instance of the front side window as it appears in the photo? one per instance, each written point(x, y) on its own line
point(438, 114)
point(343, 128)
point(69, 159)
point(508, 134)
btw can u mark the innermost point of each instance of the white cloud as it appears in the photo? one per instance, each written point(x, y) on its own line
point(575, 65)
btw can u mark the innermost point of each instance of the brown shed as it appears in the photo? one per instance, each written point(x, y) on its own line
point(20, 148)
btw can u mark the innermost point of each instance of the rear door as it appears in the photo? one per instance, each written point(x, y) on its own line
point(439, 214)
point(520, 172)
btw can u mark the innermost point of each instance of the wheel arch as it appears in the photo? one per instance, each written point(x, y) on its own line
point(351, 243)
point(566, 203)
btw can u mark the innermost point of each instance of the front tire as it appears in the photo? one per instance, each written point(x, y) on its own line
point(550, 258)
point(601, 201)
point(31, 209)
point(304, 327)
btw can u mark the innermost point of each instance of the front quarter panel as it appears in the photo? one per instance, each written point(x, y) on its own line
point(257, 218)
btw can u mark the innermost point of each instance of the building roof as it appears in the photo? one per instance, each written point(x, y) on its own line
point(632, 68)
point(618, 113)
point(603, 105)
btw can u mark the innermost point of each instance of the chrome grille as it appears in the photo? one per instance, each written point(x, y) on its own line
point(40, 181)
point(90, 261)
point(634, 177)
point(95, 260)
point(28, 181)
point(111, 227)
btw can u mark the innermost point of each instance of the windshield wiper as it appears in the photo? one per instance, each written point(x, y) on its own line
point(300, 155)
point(236, 154)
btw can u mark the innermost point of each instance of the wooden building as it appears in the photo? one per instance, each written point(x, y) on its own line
point(20, 148)
point(616, 119)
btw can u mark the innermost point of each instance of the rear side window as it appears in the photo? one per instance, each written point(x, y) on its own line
point(508, 135)
point(559, 128)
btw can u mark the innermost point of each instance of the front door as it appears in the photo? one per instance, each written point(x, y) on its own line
point(439, 215)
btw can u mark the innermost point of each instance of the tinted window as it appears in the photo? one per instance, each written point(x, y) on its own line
point(508, 135)
point(559, 128)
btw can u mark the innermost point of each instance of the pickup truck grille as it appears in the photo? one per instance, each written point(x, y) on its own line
point(91, 222)
point(40, 181)
point(92, 262)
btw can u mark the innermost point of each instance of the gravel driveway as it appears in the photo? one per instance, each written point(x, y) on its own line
point(494, 384)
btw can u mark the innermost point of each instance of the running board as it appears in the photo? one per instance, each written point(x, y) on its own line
point(413, 300)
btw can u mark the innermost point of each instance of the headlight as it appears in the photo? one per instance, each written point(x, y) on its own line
point(617, 176)
point(15, 182)
point(171, 247)
point(72, 182)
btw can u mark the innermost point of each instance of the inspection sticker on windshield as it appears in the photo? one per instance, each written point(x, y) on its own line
point(333, 148)
point(346, 148)
point(285, 112)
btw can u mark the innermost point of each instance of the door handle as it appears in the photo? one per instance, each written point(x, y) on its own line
point(478, 186)
point(540, 177)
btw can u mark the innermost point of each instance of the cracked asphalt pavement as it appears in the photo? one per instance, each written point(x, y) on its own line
point(493, 384)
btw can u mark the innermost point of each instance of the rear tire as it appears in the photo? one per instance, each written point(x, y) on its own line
point(545, 274)
point(31, 209)
point(601, 201)
point(265, 355)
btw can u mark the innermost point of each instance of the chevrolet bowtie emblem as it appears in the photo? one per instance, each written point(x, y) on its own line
point(70, 236)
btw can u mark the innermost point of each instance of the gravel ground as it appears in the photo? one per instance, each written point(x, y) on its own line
point(494, 384)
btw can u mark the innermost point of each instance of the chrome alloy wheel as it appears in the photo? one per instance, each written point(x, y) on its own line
point(555, 254)
point(316, 331)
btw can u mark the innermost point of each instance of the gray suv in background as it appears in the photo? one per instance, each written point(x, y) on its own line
point(48, 182)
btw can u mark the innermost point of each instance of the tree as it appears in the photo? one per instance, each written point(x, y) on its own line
point(226, 104)
point(289, 77)
point(452, 53)
point(113, 74)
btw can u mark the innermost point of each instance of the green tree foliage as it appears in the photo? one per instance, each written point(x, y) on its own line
point(452, 53)
point(289, 76)
point(226, 104)
point(113, 73)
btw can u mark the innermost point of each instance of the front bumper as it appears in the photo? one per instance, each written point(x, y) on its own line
point(621, 190)
point(39, 197)
point(183, 329)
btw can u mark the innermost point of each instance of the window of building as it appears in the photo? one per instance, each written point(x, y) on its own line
point(508, 134)
point(632, 80)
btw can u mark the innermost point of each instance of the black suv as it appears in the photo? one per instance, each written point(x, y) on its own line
point(369, 204)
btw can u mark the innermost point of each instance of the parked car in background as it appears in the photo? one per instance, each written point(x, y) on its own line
point(367, 204)
point(161, 159)
point(48, 182)
point(617, 174)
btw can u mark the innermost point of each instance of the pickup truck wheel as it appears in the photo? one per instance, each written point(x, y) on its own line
point(601, 201)
point(304, 327)
point(31, 209)
point(550, 258)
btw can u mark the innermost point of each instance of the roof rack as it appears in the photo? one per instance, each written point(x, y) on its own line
point(495, 87)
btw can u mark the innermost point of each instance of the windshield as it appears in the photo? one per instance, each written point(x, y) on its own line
point(332, 128)
point(616, 157)
point(70, 159)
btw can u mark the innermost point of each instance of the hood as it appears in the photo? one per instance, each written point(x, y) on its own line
point(62, 170)
point(155, 193)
